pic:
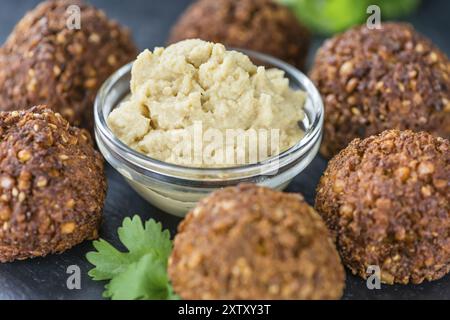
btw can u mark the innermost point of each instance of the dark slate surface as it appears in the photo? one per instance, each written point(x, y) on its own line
point(150, 22)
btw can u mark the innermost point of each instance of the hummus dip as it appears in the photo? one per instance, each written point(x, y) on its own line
point(197, 104)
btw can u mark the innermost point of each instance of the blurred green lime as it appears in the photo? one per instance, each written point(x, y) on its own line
point(331, 16)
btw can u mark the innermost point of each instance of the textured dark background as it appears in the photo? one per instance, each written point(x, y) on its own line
point(150, 21)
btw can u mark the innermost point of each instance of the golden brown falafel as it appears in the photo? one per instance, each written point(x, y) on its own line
point(46, 62)
point(387, 200)
point(374, 80)
point(259, 25)
point(52, 184)
point(250, 242)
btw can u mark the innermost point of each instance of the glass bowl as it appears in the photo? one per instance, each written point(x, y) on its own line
point(176, 189)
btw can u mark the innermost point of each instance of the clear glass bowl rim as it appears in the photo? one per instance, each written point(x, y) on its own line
point(136, 158)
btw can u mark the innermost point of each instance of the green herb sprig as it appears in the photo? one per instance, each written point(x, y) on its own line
point(140, 273)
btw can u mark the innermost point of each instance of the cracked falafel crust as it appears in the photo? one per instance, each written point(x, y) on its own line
point(52, 184)
point(250, 242)
point(386, 199)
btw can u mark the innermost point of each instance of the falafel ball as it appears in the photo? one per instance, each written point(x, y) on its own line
point(259, 25)
point(250, 242)
point(375, 80)
point(52, 184)
point(45, 62)
point(387, 200)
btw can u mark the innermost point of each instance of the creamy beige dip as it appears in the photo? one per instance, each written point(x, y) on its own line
point(191, 103)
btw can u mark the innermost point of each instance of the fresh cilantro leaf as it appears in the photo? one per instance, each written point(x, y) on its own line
point(139, 239)
point(146, 279)
point(108, 261)
point(139, 273)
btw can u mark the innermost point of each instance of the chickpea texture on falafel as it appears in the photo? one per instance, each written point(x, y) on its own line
point(387, 201)
point(45, 62)
point(250, 242)
point(45, 166)
point(378, 79)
